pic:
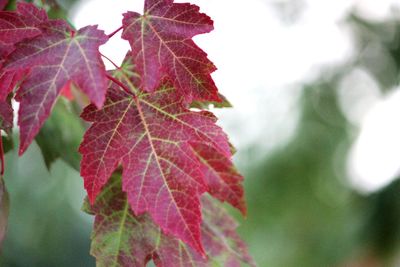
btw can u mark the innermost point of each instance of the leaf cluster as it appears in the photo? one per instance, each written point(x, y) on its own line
point(148, 160)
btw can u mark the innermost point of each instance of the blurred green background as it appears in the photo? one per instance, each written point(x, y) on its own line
point(302, 209)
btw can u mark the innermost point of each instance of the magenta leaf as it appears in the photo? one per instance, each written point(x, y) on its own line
point(56, 57)
point(151, 136)
point(15, 27)
point(162, 45)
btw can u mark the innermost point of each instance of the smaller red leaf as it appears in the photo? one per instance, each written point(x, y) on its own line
point(162, 45)
point(56, 57)
point(16, 26)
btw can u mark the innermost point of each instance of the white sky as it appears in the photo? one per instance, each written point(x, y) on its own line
point(262, 62)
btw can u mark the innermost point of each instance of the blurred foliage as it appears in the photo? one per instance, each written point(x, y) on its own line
point(61, 135)
point(46, 227)
point(4, 210)
point(381, 230)
point(302, 210)
point(378, 49)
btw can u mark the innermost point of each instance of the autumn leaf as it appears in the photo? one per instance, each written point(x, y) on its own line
point(14, 28)
point(59, 55)
point(117, 233)
point(162, 45)
point(151, 136)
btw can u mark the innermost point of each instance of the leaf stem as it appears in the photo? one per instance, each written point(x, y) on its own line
point(115, 32)
point(120, 84)
point(110, 60)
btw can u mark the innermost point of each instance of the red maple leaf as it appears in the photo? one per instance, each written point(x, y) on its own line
point(162, 45)
point(153, 137)
point(15, 27)
point(59, 55)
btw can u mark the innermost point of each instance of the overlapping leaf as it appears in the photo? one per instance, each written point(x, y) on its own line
point(162, 45)
point(155, 138)
point(150, 136)
point(122, 239)
point(54, 58)
point(14, 28)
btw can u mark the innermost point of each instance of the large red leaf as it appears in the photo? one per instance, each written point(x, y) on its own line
point(162, 45)
point(59, 55)
point(151, 136)
point(122, 239)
